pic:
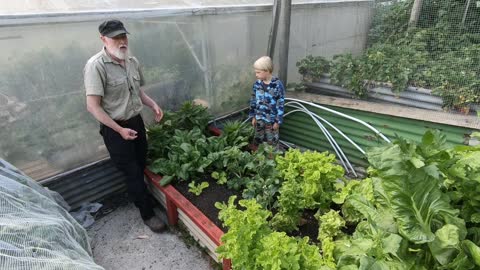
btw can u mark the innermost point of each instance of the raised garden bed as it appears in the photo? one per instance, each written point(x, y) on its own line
point(307, 181)
point(181, 209)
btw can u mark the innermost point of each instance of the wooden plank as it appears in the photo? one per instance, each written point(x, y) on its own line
point(199, 236)
point(460, 120)
point(205, 224)
point(194, 231)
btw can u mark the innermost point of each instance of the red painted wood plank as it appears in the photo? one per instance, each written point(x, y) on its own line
point(204, 223)
point(227, 264)
point(215, 131)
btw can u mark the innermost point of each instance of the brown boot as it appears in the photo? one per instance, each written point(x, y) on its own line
point(155, 224)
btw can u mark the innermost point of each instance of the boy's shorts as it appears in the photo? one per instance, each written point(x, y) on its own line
point(264, 132)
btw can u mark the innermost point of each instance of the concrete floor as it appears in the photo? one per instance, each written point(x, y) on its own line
point(120, 241)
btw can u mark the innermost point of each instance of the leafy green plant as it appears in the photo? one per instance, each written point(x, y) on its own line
point(221, 177)
point(441, 53)
point(382, 64)
point(264, 184)
point(346, 71)
point(309, 184)
point(161, 135)
point(331, 224)
point(197, 189)
point(412, 219)
point(191, 115)
point(251, 244)
point(312, 67)
point(186, 157)
point(236, 133)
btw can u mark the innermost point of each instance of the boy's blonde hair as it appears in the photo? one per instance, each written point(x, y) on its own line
point(264, 63)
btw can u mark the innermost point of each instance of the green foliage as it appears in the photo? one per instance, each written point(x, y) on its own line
point(441, 53)
point(462, 174)
point(197, 189)
point(309, 184)
point(187, 156)
point(191, 115)
point(381, 64)
point(312, 67)
point(411, 211)
point(245, 230)
point(237, 133)
point(411, 180)
point(180, 149)
point(221, 177)
point(331, 224)
point(264, 183)
point(390, 21)
point(161, 135)
point(251, 244)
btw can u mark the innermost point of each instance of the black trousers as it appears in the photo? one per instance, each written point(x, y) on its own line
point(129, 156)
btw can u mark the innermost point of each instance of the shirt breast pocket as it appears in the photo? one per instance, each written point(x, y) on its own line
point(136, 80)
point(116, 87)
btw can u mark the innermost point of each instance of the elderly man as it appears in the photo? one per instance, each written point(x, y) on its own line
point(113, 83)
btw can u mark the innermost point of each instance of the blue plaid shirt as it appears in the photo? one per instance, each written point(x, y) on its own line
point(267, 101)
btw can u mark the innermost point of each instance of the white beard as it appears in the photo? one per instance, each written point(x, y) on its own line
point(120, 54)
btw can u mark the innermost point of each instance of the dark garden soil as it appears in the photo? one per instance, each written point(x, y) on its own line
point(205, 202)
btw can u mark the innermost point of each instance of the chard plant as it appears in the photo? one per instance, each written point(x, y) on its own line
point(413, 221)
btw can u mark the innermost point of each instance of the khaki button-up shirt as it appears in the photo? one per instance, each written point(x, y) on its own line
point(118, 86)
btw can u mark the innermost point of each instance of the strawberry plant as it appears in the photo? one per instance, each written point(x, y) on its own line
point(441, 53)
point(312, 67)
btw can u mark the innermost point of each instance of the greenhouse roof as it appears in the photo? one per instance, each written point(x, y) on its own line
point(29, 7)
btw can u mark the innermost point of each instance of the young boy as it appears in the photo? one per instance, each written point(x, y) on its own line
point(266, 104)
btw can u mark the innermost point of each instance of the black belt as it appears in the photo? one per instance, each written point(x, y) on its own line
point(126, 122)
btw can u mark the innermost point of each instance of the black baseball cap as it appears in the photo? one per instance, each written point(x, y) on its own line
point(112, 28)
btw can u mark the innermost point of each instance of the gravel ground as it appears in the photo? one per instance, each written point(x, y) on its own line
point(120, 241)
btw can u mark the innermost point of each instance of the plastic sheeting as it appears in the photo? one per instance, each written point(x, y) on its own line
point(22, 7)
point(35, 231)
point(204, 53)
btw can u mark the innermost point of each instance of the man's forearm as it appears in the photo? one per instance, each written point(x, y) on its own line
point(104, 118)
point(147, 100)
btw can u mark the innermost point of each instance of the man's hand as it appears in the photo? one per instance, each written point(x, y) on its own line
point(158, 113)
point(254, 122)
point(276, 126)
point(128, 134)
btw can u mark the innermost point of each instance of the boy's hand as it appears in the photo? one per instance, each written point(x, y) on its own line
point(276, 126)
point(254, 121)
